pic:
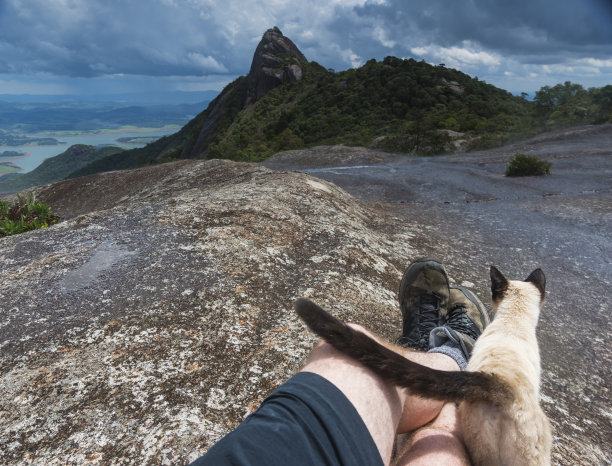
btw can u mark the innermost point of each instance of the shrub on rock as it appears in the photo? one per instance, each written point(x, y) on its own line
point(24, 214)
point(527, 165)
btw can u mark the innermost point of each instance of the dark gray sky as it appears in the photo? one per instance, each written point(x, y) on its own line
point(105, 46)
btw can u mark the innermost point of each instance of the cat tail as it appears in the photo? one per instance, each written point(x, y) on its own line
point(391, 366)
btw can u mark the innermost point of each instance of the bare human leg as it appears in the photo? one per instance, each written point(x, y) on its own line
point(385, 409)
point(439, 442)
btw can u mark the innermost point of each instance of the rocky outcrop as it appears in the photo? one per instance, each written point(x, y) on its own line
point(276, 61)
point(159, 313)
point(326, 156)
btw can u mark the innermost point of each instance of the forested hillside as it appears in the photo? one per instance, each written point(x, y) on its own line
point(397, 105)
point(400, 105)
point(570, 104)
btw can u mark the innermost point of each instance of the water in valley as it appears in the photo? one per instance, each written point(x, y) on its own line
point(37, 154)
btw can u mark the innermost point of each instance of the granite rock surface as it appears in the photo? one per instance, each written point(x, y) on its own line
point(470, 216)
point(159, 313)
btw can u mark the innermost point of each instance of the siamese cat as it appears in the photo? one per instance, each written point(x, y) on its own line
point(501, 418)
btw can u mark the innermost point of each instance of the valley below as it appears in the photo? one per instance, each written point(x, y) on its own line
point(127, 137)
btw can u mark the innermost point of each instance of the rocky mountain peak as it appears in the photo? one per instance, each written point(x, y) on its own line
point(276, 61)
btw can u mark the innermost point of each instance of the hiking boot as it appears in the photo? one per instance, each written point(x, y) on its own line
point(423, 295)
point(466, 319)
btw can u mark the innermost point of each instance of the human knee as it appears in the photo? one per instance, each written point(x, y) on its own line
point(436, 443)
point(436, 433)
point(325, 351)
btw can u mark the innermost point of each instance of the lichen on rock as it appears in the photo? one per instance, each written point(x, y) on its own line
point(159, 313)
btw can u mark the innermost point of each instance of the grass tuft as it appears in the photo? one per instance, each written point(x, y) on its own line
point(24, 214)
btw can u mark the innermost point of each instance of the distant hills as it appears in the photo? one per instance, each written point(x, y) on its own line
point(143, 98)
point(16, 140)
point(17, 118)
point(22, 115)
point(398, 105)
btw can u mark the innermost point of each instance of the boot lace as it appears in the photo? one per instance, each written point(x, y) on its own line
point(428, 314)
point(458, 320)
point(429, 307)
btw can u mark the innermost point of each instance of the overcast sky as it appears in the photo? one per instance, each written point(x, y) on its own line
point(108, 46)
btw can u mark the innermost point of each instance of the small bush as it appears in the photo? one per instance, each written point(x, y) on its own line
point(527, 165)
point(24, 214)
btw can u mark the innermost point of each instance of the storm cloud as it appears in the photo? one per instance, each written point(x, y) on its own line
point(519, 40)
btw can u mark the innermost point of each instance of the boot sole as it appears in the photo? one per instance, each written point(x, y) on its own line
point(410, 277)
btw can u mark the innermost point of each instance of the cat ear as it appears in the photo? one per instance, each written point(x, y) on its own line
point(499, 284)
point(538, 278)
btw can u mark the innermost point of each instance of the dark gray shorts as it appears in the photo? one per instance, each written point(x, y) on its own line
point(306, 421)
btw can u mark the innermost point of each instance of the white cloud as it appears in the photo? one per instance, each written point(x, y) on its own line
point(517, 77)
point(468, 55)
point(206, 63)
point(381, 36)
point(596, 62)
point(421, 51)
point(348, 56)
point(355, 59)
point(572, 69)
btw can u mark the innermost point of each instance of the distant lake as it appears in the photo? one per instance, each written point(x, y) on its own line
point(39, 153)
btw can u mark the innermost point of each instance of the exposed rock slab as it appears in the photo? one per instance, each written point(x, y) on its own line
point(470, 216)
point(159, 314)
point(327, 156)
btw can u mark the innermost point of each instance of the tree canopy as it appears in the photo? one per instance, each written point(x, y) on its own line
point(398, 105)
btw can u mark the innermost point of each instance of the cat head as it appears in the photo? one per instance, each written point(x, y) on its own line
point(500, 284)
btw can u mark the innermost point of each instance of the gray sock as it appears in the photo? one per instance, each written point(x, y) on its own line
point(446, 341)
